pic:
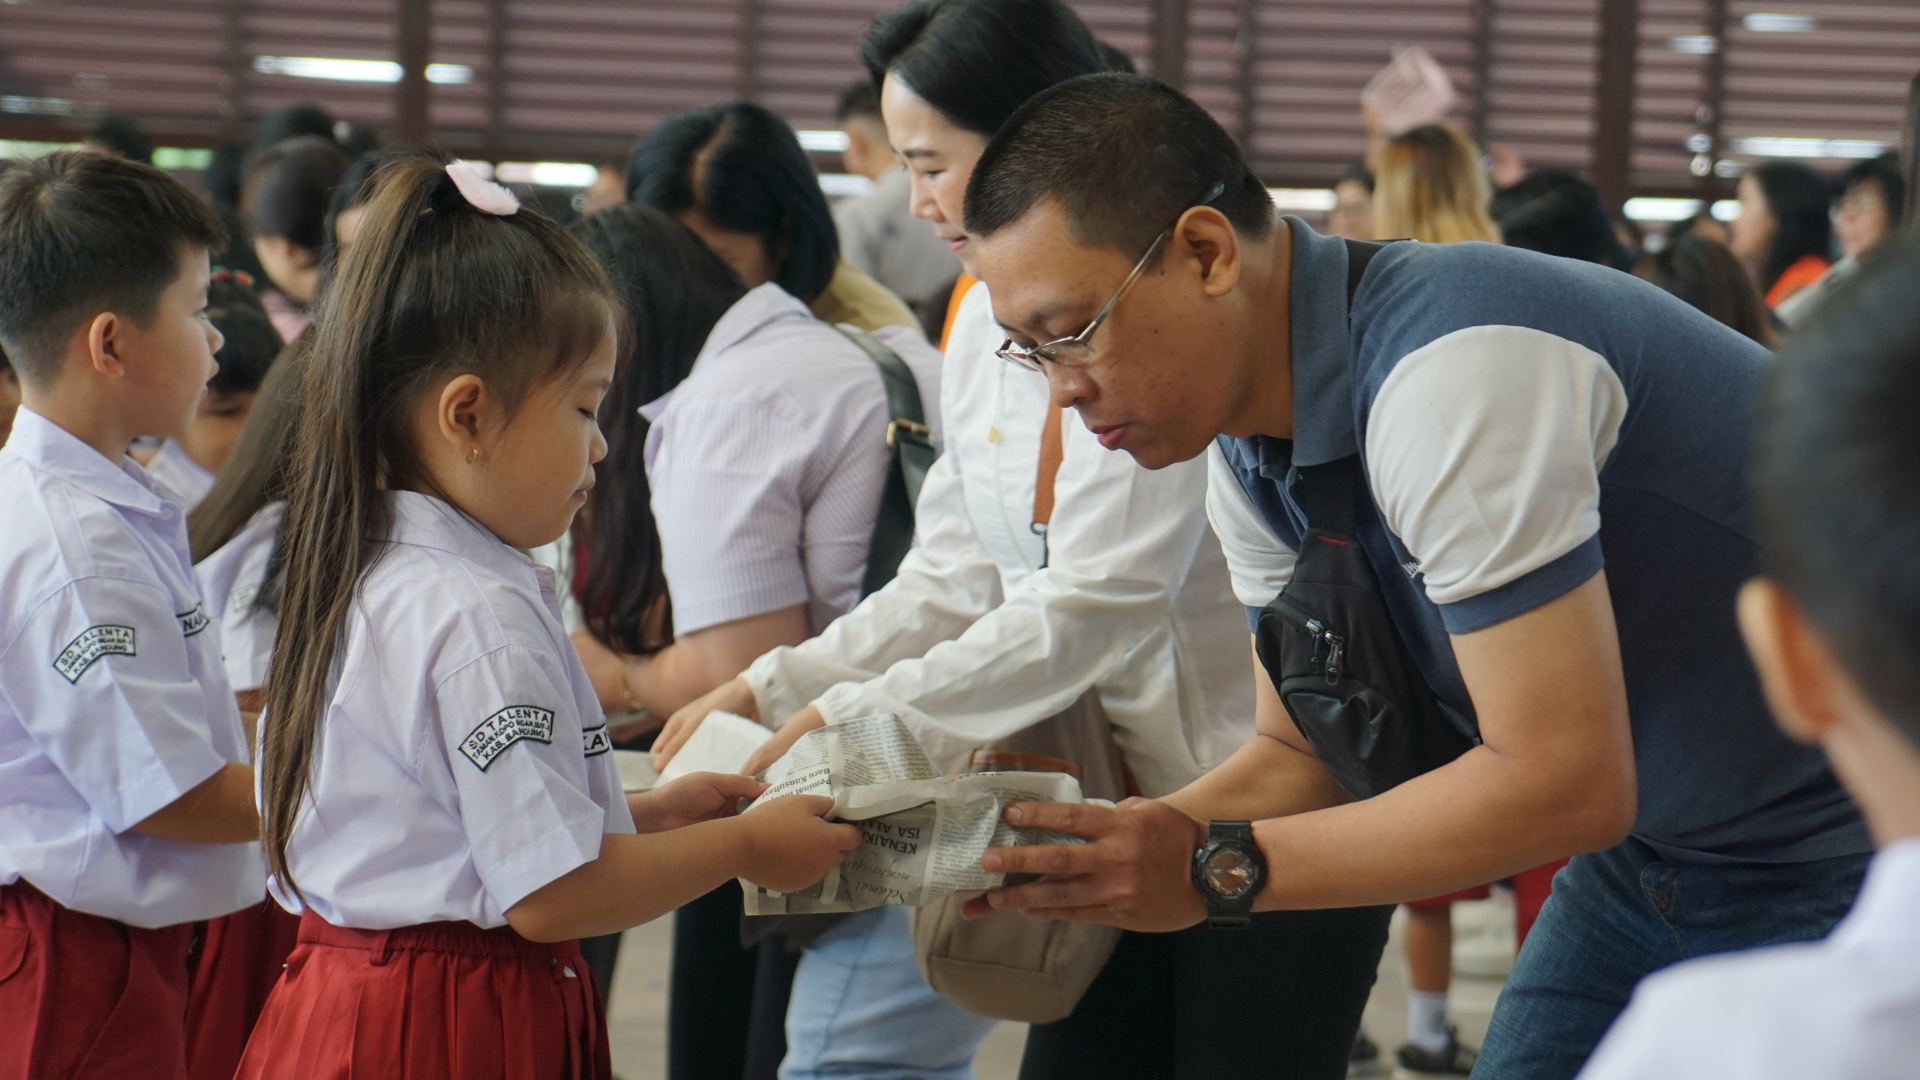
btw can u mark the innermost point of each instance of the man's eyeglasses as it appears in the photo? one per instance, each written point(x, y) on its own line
point(1076, 350)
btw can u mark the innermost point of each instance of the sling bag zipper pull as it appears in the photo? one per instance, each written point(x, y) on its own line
point(1335, 643)
point(1317, 632)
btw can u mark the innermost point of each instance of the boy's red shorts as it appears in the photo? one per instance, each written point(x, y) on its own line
point(241, 956)
point(445, 1000)
point(87, 998)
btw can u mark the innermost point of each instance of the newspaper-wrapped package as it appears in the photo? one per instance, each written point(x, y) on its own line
point(1413, 89)
point(922, 834)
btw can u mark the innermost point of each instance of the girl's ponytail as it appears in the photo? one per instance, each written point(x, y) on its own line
point(431, 288)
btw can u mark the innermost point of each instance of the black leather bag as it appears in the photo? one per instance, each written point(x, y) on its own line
point(910, 446)
point(1331, 648)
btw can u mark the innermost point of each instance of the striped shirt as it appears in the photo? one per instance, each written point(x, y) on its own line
point(766, 465)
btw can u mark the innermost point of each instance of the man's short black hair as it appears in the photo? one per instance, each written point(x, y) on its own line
point(1555, 212)
point(123, 135)
point(83, 232)
point(1837, 478)
point(861, 101)
point(1125, 155)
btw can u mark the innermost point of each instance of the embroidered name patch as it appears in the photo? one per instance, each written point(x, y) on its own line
point(503, 729)
point(98, 641)
point(192, 622)
point(595, 741)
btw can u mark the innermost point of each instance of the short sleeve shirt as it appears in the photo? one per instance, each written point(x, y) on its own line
point(231, 579)
point(113, 703)
point(1526, 422)
point(766, 465)
point(463, 761)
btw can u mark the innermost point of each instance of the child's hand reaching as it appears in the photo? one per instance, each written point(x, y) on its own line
point(692, 798)
point(789, 847)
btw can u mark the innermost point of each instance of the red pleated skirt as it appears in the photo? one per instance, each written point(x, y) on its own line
point(241, 956)
point(87, 998)
point(439, 1001)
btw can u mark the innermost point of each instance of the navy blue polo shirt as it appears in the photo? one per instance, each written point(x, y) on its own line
point(1526, 422)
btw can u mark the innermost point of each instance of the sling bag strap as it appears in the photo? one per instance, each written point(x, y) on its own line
point(910, 453)
point(1327, 493)
point(1053, 451)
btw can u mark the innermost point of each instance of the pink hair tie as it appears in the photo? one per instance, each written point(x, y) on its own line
point(481, 193)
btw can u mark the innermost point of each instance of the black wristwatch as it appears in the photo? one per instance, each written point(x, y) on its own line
point(1229, 871)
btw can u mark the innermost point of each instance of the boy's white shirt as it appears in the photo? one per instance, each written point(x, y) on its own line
point(181, 474)
point(1846, 1008)
point(231, 579)
point(113, 700)
point(974, 640)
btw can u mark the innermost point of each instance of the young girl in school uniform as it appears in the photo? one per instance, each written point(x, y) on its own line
point(436, 789)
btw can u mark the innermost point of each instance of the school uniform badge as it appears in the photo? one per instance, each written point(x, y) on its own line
point(595, 741)
point(192, 622)
point(503, 729)
point(94, 643)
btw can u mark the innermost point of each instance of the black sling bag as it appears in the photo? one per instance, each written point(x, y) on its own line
point(1330, 646)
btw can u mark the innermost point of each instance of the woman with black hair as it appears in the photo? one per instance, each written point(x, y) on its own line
point(1784, 231)
point(731, 515)
point(1053, 579)
point(1868, 201)
point(735, 174)
point(285, 207)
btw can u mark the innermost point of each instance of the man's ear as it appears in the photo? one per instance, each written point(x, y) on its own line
point(1807, 688)
point(106, 344)
point(460, 413)
point(1210, 239)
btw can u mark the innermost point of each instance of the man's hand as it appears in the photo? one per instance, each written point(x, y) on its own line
point(695, 797)
point(775, 748)
point(789, 846)
point(733, 696)
point(1134, 872)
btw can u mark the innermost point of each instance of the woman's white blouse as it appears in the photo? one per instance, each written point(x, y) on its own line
point(463, 761)
point(231, 579)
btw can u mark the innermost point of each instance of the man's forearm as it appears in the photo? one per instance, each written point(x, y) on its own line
point(1265, 778)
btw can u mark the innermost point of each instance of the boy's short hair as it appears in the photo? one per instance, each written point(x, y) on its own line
point(1837, 479)
point(858, 102)
point(1125, 156)
point(83, 232)
point(251, 341)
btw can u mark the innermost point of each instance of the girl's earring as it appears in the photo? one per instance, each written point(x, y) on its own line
point(473, 455)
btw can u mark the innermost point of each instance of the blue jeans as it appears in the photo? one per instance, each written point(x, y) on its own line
point(861, 1009)
point(1617, 916)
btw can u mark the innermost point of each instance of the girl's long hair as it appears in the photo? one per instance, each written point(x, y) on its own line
point(256, 473)
point(1430, 188)
point(675, 289)
point(431, 289)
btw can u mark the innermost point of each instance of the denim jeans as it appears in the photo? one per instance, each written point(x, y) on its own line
point(861, 1009)
point(1617, 916)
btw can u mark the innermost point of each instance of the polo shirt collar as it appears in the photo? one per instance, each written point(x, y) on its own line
point(424, 521)
point(52, 449)
point(1323, 414)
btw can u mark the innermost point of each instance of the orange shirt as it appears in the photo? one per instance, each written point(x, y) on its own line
point(1801, 274)
point(967, 281)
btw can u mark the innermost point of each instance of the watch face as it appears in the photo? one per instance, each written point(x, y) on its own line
point(1230, 872)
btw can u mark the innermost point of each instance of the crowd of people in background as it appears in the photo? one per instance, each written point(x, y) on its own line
point(469, 481)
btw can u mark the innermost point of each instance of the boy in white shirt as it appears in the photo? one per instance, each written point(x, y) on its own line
point(1834, 628)
point(126, 798)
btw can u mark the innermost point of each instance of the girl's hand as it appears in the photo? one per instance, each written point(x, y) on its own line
point(775, 748)
point(605, 669)
point(692, 798)
point(789, 847)
point(733, 696)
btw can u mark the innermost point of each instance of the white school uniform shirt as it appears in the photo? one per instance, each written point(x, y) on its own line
point(231, 579)
point(462, 759)
point(975, 639)
point(1845, 1008)
point(766, 465)
point(181, 474)
point(112, 699)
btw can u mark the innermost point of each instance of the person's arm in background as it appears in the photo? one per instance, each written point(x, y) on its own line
point(692, 665)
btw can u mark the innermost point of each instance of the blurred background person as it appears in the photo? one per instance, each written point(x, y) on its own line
point(1352, 213)
point(1711, 278)
point(1868, 202)
point(1785, 227)
point(1704, 225)
point(735, 174)
point(124, 136)
point(878, 232)
point(1429, 186)
point(189, 462)
point(1555, 212)
point(609, 188)
point(284, 205)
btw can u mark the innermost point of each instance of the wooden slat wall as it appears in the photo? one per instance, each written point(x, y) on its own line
point(1846, 79)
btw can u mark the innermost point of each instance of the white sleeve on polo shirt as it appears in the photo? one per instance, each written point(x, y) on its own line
point(1259, 564)
point(514, 740)
point(1484, 449)
point(100, 678)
